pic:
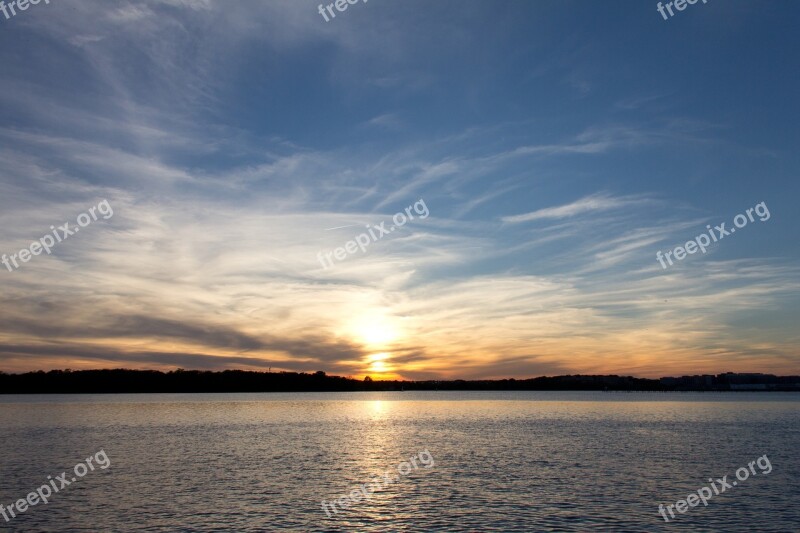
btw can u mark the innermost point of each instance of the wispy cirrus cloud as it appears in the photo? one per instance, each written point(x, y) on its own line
point(588, 204)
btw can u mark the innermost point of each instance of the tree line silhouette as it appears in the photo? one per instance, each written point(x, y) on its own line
point(196, 381)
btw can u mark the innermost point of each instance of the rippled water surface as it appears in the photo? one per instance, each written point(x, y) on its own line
point(530, 461)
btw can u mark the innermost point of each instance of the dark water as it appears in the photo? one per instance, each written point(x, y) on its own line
point(502, 461)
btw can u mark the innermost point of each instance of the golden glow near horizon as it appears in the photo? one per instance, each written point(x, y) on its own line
point(380, 320)
point(378, 367)
point(376, 330)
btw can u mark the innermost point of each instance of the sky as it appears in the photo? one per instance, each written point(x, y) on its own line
point(556, 146)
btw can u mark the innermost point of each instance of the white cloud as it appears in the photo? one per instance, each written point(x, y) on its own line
point(587, 204)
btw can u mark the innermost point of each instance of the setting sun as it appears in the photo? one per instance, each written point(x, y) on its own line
point(378, 366)
point(374, 331)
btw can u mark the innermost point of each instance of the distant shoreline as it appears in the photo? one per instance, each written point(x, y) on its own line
point(229, 381)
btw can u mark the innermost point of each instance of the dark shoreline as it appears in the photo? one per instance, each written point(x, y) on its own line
point(193, 381)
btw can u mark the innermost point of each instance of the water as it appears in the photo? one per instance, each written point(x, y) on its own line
point(516, 461)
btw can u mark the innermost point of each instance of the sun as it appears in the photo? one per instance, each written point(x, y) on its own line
point(379, 366)
point(375, 331)
point(377, 363)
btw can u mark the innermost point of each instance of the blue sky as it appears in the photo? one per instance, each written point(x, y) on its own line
point(557, 144)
